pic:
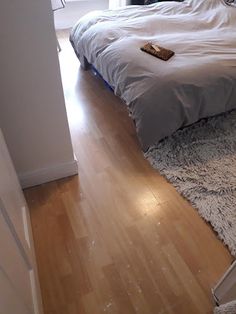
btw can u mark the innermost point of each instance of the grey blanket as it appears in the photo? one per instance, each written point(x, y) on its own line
point(199, 81)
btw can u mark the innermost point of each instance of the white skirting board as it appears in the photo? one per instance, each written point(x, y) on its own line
point(52, 173)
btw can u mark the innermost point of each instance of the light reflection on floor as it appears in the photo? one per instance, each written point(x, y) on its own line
point(70, 74)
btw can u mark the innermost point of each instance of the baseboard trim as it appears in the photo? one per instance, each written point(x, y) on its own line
point(40, 176)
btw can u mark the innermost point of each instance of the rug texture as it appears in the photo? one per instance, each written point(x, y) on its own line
point(200, 161)
point(228, 308)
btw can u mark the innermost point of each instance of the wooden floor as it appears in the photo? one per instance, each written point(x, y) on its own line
point(117, 238)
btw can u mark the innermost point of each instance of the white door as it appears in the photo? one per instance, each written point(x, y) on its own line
point(19, 287)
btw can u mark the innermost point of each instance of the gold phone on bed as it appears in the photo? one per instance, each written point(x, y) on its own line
point(158, 51)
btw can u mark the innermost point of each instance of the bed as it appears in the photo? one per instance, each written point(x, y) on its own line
point(198, 82)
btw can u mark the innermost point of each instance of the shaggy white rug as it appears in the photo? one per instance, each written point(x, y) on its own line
point(228, 308)
point(200, 161)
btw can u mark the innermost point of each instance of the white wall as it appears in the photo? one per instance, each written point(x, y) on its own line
point(114, 4)
point(75, 9)
point(32, 109)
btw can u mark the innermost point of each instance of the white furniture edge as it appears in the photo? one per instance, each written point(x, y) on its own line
point(14, 210)
point(40, 176)
point(223, 286)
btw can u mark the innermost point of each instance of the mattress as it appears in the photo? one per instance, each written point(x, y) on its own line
point(198, 82)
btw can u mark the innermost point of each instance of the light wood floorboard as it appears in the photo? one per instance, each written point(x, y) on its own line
point(117, 238)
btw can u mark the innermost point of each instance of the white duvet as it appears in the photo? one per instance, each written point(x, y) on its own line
point(199, 81)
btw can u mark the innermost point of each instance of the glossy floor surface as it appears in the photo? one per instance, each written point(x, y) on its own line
point(117, 238)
